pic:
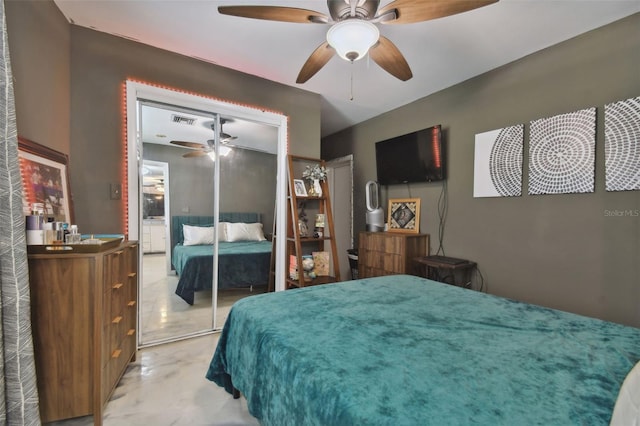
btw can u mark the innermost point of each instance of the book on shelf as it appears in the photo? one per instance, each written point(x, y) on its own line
point(293, 267)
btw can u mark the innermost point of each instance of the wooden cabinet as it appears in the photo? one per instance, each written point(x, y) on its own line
point(83, 310)
point(388, 253)
point(153, 237)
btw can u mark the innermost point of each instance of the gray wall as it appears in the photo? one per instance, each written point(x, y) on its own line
point(69, 97)
point(247, 183)
point(39, 37)
point(561, 251)
point(100, 64)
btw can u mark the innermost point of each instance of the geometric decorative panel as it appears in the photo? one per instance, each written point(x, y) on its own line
point(622, 145)
point(498, 162)
point(562, 153)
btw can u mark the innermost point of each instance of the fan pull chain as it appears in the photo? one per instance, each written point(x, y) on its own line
point(351, 78)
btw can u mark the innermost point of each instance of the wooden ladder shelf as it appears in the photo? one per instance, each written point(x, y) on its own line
point(305, 241)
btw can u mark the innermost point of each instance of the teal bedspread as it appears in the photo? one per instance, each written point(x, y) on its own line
point(402, 350)
point(240, 264)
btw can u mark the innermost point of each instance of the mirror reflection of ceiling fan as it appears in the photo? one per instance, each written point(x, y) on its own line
point(353, 32)
point(200, 149)
point(153, 185)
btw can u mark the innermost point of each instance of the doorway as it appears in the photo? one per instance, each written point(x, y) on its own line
point(340, 179)
point(217, 113)
point(155, 205)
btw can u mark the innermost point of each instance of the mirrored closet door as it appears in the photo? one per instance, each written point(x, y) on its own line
point(213, 168)
point(175, 136)
point(248, 166)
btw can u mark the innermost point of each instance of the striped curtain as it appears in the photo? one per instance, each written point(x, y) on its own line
point(18, 391)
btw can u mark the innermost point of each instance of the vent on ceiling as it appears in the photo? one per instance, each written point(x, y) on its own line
point(182, 119)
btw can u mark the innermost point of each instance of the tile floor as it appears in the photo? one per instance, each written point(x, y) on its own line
point(163, 313)
point(166, 315)
point(166, 385)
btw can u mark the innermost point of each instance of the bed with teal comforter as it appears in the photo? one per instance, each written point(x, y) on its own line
point(402, 350)
point(241, 264)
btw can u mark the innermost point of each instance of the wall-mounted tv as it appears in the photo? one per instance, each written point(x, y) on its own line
point(153, 205)
point(414, 157)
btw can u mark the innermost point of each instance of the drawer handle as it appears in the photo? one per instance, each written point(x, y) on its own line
point(117, 320)
point(117, 286)
point(132, 274)
point(118, 253)
point(131, 332)
point(131, 303)
point(116, 353)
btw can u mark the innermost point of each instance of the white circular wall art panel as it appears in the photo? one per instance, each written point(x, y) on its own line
point(562, 153)
point(505, 161)
point(622, 145)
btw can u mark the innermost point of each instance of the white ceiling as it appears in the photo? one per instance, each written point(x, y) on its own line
point(158, 126)
point(440, 52)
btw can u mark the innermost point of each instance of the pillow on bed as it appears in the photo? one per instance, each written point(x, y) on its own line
point(245, 232)
point(627, 408)
point(198, 235)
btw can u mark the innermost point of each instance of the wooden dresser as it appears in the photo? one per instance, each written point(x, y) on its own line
point(389, 253)
point(83, 310)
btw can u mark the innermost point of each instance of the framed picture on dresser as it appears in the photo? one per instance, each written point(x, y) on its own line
point(404, 215)
point(45, 181)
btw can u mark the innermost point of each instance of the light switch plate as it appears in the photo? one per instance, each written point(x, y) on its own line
point(116, 191)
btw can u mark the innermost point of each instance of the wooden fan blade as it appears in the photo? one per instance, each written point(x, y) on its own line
point(275, 13)
point(317, 60)
point(226, 137)
point(195, 154)
point(410, 11)
point(387, 55)
point(189, 144)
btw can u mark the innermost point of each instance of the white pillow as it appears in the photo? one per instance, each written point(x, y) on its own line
point(222, 231)
point(627, 408)
point(245, 232)
point(197, 235)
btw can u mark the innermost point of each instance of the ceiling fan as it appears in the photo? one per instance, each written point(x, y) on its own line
point(201, 149)
point(353, 32)
point(153, 185)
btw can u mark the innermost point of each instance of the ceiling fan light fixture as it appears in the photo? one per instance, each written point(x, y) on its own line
point(223, 151)
point(352, 38)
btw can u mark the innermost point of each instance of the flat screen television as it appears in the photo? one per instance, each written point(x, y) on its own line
point(153, 205)
point(414, 157)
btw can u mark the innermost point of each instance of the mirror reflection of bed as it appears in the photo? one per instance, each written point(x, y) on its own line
point(243, 253)
point(166, 316)
point(247, 185)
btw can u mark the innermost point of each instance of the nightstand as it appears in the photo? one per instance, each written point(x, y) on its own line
point(458, 272)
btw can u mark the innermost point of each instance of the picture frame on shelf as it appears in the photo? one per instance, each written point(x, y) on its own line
point(303, 229)
point(299, 188)
point(45, 181)
point(321, 262)
point(404, 215)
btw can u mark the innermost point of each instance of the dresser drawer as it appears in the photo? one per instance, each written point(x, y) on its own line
point(114, 271)
point(387, 253)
